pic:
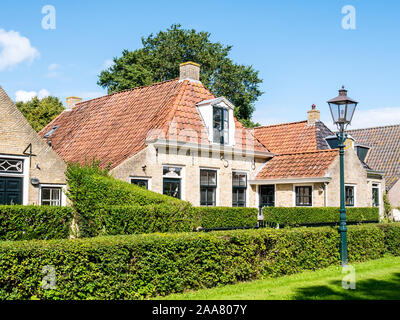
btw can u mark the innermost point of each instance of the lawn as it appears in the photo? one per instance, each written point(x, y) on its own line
point(376, 279)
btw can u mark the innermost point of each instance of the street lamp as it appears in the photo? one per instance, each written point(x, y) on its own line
point(342, 110)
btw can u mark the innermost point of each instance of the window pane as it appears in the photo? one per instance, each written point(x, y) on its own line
point(55, 194)
point(51, 196)
point(212, 177)
point(303, 196)
point(172, 171)
point(45, 194)
point(172, 187)
point(140, 182)
point(349, 192)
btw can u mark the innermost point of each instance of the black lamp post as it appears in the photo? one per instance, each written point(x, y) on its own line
point(342, 110)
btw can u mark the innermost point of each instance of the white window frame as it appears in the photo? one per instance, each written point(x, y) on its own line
point(355, 193)
point(24, 175)
point(63, 188)
point(148, 179)
point(181, 177)
point(294, 194)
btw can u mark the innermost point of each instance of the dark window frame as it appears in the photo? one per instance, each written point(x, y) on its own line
point(301, 197)
point(236, 189)
point(166, 179)
point(221, 137)
point(208, 187)
point(138, 181)
point(375, 199)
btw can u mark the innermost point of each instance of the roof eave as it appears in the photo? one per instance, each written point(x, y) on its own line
point(290, 180)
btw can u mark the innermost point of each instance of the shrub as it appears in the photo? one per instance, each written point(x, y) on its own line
point(225, 217)
point(139, 266)
point(295, 216)
point(34, 222)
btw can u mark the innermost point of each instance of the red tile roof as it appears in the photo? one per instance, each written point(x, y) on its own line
point(298, 165)
point(293, 137)
point(113, 128)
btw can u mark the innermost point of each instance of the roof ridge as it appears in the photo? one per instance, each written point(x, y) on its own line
point(131, 89)
point(279, 124)
point(377, 127)
point(304, 152)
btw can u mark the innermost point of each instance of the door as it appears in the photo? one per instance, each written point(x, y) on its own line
point(172, 187)
point(10, 190)
point(267, 196)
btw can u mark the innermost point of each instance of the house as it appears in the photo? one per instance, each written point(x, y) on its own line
point(379, 147)
point(175, 137)
point(30, 171)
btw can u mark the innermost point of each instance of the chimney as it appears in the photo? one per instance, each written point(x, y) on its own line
point(189, 71)
point(313, 115)
point(71, 102)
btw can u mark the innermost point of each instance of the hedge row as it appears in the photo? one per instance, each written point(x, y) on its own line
point(140, 266)
point(34, 222)
point(314, 215)
point(225, 217)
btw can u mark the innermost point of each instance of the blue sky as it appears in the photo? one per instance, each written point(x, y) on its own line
point(299, 47)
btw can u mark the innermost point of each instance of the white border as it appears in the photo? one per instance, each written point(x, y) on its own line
point(182, 177)
point(355, 193)
point(49, 185)
point(142, 178)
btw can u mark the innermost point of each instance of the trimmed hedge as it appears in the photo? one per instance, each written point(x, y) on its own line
point(140, 266)
point(225, 217)
point(295, 216)
point(34, 222)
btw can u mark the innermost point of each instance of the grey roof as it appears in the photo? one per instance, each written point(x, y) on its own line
point(384, 154)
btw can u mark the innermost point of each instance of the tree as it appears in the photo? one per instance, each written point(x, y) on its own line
point(161, 55)
point(40, 112)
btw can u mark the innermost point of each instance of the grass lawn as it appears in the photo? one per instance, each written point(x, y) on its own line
point(376, 279)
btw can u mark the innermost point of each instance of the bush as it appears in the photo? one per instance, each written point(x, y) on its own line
point(140, 266)
point(225, 217)
point(295, 216)
point(34, 222)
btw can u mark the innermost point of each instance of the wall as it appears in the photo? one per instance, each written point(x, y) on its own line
point(191, 162)
point(394, 195)
point(15, 136)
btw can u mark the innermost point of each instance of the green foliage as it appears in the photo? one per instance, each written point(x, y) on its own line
point(225, 217)
point(392, 237)
point(40, 112)
point(295, 216)
point(387, 205)
point(34, 222)
point(161, 55)
point(140, 266)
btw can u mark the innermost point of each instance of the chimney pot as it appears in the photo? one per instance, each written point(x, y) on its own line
point(313, 115)
point(71, 102)
point(189, 71)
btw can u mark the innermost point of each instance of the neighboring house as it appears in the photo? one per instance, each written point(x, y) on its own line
point(305, 169)
point(177, 138)
point(379, 147)
point(30, 171)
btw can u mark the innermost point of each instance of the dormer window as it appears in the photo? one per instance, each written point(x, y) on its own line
point(220, 125)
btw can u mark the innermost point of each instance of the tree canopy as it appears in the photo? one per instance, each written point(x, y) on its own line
point(161, 55)
point(40, 112)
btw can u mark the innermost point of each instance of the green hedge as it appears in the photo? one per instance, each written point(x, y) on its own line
point(225, 217)
point(34, 222)
point(314, 215)
point(139, 266)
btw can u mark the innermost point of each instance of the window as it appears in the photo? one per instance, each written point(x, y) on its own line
point(375, 195)
point(349, 196)
point(220, 125)
point(144, 183)
point(11, 165)
point(239, 186)
point(303, 196)
point(208, 187)
point(50, 196)
point(172, 181)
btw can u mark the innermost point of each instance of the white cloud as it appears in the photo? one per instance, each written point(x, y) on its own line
point(26, 96)
point(15, 49)
point(53, 66)
point(53, 70)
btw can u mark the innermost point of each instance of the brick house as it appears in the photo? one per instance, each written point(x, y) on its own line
point(175, 137)
point(30, 171)
point(379, 147)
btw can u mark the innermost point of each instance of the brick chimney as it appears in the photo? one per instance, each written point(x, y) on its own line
point(313, 115)
point(189, 71)
point(71, 102)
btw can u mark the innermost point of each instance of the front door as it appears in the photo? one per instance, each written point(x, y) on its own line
point(267, 196)
point(10, 190)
